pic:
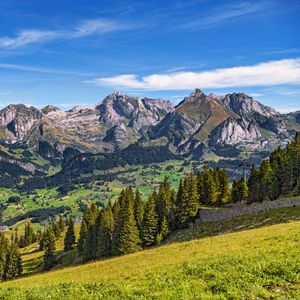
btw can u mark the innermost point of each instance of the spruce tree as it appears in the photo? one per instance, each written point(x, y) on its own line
point(82, 237)
point(224, 188)
point(187, 200)
point(13, 263)
point(149, 229)
point(128, 236)
point(105, 233)
point(4, 244)
point(69, 241)
point(88, 253)
point(138, 209)
point(49, 246)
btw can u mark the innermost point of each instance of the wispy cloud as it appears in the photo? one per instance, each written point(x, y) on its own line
point(25, 68)
point(225, 13)
point(85, 28)
point(286, 71)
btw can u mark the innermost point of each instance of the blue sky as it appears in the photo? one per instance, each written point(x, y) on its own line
point(68, 53)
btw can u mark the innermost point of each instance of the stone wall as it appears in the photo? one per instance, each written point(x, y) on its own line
point(213, 215)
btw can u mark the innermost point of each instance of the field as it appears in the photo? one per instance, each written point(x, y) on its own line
point(145, 178)
point(250, 264)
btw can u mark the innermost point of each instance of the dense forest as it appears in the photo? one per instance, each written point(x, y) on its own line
point(129, 224)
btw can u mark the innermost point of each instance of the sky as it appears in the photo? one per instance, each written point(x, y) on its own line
point(68, 53)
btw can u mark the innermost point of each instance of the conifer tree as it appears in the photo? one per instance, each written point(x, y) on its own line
point(49, 246)
point(239, 190)
point(253, 185)
point(187, 200)
point(13, 263)
point(224, 188)
point(3, 250)
point(69, 241)
point(149, 229)
point(128, 237)
point(82, 237)
point(88, 253)
point(105, 233)
point(164, 231)
point(138, 209)
point(29, 237)
point(209, 192)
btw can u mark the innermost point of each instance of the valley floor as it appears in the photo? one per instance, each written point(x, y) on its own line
point(255, 263)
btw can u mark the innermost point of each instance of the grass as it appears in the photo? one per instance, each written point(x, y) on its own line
point(260, 263)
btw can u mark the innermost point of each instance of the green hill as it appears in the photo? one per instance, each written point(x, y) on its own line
point(257, 263)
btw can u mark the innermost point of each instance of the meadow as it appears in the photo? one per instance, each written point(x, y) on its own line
point(259, 263)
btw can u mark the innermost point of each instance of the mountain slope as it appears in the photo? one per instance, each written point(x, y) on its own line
point(213, 122)
point(225, 266)
point(201, 126)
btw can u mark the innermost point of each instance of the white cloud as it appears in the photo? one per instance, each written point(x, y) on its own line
point(286, 71)
point(96, 26)
point(225, 13)
point(26, 37)
point(43, 70)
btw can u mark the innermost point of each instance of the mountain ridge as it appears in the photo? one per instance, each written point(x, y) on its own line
point(200, 123)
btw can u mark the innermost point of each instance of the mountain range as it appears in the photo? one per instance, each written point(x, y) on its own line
point(201, 127)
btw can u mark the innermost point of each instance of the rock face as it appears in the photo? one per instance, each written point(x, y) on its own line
point(198, 124)
point(209, 121)
point(16, 121)
point(117, 122)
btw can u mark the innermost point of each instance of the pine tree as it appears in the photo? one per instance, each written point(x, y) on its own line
point(49, 246)
point(13, 263)
point(128, 237)
point(82, 237)
point(29, 237)
point(4, 245)
point(239, 190)
point(89, 244)
point(149, 229)
point(209, 192)
point(164, 231)
point(106, 233)
point(224, 188)
point(118, 210)
point(163, 201)
point(187, 200)
point(138, 209)
point(70, 239)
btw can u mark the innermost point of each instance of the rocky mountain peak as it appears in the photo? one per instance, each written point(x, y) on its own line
point(49, 108)
point(18, 119)
point(243, 104)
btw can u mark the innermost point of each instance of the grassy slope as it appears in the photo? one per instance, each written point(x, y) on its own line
point(262, 262)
